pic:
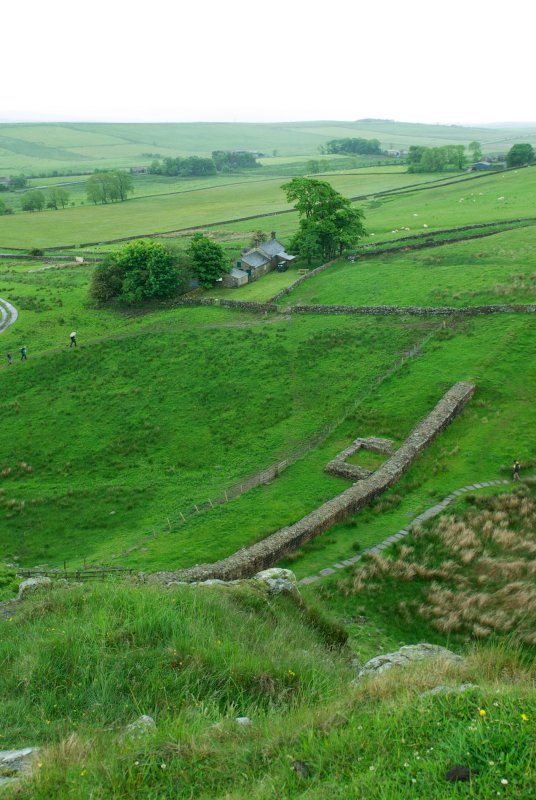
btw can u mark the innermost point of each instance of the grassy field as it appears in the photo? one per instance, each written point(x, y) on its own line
point(43, 148)
point(494, 269)
point(154, 412)
point(193, 204)
point(161, 408)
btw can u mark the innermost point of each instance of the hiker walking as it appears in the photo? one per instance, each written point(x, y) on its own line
point(10, 358)
point(23, 353)
point(516, 470)
point(72, 337)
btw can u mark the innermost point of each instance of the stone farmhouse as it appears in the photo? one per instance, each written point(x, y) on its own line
point(255, 263)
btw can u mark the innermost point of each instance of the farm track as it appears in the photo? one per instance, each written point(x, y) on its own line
point(8, 315)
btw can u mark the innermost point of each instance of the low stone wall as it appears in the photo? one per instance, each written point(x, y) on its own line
point(340, 468)
point(419, 311)
point(301, 279)
point(269, 551)
point(236, 305)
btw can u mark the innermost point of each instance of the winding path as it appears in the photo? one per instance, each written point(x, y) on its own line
point(8, 315)
point(428, 514)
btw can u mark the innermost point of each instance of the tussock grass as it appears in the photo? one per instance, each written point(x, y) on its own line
point(473, 575)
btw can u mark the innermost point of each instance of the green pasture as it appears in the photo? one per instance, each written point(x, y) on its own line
point(501, 196)
point(42, 148)
point(215, 200)
point(496, 427)
point(154, 412)
point(494, 269)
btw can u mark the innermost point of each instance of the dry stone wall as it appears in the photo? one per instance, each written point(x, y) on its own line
point(236, 305)
point(419, 311)
point(250, 560)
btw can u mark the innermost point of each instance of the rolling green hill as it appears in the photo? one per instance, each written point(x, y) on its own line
point(44, 147)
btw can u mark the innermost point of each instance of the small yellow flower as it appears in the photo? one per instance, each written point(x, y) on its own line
point(83, 773)
point(524, 717)
point(39, 764)
point(292, 673)
point(482, 712)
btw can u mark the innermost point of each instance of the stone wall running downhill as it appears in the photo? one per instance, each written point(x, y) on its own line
point(250, 560)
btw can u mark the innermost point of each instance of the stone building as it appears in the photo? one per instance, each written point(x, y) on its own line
point(255, 263)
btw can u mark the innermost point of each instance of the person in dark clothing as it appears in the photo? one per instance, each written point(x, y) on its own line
point(72, 337)
point(23, 353)
point(516, 470)
point(10, 358)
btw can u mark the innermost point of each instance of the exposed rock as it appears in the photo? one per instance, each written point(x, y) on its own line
point(32, 585)
point(408, 654)
point(140, 728)
point(277, 580)
point(13, 762)
point(463, 687)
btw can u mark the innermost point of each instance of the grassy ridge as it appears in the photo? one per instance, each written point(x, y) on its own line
point(197, 659)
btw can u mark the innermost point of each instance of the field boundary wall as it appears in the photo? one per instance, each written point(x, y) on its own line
point(261, 555)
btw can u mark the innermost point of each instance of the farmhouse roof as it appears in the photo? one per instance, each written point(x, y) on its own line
point(236, 272)
point(272, 247)
point(255, 258)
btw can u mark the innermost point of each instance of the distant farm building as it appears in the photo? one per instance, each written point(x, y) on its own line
point(255, 263)
point(481, 166)
point(138, 170)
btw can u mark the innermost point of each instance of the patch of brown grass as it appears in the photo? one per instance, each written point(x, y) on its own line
point(478, 570)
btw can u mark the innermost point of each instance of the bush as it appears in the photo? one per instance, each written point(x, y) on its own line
point(142, 270)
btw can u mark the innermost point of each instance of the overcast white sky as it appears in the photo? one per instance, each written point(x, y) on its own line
point(459, 61)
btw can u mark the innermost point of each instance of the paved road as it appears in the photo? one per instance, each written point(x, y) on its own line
point(8, 315)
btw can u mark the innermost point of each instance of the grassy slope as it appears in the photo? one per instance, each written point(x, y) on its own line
point(496, 426)
point(196, 659)
point(494, 269)
point(219, 201)
point(160, 412)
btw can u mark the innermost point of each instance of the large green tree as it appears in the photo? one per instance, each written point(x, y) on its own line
point(58, 197)
point(475, 149)
point(329, 222)
point(32, 201)
point(107, 187)
point(142, 270)
point(519, 155)
point(208, 260)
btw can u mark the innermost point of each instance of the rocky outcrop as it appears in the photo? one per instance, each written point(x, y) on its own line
point(409, 654)
point(31, 585)
point(13, 763)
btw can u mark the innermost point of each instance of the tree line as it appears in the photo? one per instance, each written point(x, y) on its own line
point(353, 146)
point(190, 166)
